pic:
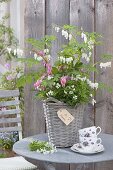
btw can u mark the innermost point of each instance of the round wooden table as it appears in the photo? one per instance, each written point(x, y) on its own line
point(64, 155)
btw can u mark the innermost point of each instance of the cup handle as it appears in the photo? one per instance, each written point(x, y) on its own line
point(99, 140)
point(98, 129)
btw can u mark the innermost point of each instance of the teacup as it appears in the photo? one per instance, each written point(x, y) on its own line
point(90, 131)
point(89, 143)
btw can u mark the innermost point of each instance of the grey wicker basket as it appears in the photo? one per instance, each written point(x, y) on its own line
point(59, 134)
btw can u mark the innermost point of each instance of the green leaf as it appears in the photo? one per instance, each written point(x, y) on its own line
point(54, 70)
point(29, 61)
point(90, 68)
point(36, 43)
point(21, 81)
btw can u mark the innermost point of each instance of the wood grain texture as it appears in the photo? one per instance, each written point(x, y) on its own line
point(10, 120)
point(34, 20)
point(9, 103)
point(10, 112)
point(104, 110)
point(11, 129)
point(34, 27)
point(9, 93)
point(56, 13)
point(82, 15)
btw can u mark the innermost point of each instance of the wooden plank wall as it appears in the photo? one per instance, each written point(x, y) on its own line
point(92, 15)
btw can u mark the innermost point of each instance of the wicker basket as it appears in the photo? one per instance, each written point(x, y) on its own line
point(59, 134)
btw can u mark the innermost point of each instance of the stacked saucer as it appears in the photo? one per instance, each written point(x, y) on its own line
point(89, 143)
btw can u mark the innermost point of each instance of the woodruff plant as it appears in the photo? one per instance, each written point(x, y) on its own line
point(8, 50)
point(7, 39)
point(68, 79)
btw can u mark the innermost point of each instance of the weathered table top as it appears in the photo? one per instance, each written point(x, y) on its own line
point(65, 155)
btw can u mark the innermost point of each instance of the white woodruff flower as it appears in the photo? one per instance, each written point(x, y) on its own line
point(48, 57)
point(62, 59)
point(91, 95)
point(9, 50)
point(35, 56)
point(49, 77)
point(70, 36)
point(50, 93)
point(15, 52)
point(69, 60)
point(72, 86)
point(78, 77)
point(75, 97)
point(83, 78)
point(90, 54)
point(93, 101)
point(84, 37)
point(91, 44)
point(86, 57)
point(65, 34)
point(18, 52)
point(104, 65)
point(58, 85)
point(57, 29)
point(39, 58)
point(71, 92)
point(65, 92)
point(92, 85)
point(46, 50)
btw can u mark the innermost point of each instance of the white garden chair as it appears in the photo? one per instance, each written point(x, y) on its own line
point(10, 124)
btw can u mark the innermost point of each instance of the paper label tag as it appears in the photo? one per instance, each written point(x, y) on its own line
point(65, 116)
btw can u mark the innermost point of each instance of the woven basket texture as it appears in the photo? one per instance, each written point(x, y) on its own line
point(59, 134)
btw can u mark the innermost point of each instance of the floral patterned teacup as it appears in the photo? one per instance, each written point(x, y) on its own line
point(89, 132)
point(89, 143)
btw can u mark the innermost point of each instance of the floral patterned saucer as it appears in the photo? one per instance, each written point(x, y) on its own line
point(79, 149)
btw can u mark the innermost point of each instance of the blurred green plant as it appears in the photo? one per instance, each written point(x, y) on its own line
point(8, 139)
point(42, 147)
point(68, 79)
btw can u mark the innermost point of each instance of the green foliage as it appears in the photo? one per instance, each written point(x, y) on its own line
point(40, 44)
point(41, 146)
point(8, 139)
point(2, 155)
point(6, 31)
point(68, 79)
point(9, 79)
point(1, 1)
point(6, 144)
point(7, 38)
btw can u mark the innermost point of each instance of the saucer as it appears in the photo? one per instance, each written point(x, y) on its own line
point(78, 148)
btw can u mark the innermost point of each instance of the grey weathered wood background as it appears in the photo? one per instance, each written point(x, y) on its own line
point(35, 20)
point(92, 15)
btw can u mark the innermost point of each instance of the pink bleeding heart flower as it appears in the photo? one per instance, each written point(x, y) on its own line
point(37, 84)
point(43, 76)
point(49, 69)
point(63, 81)
point(41, 53)
point(44, 63)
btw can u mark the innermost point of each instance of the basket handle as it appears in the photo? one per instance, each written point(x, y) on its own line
point(51, 99)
